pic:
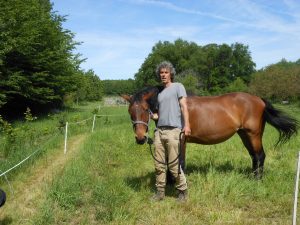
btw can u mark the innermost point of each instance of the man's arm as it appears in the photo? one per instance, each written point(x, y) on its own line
point(185, 113)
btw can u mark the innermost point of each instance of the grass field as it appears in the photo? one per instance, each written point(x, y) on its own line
point(109, 180)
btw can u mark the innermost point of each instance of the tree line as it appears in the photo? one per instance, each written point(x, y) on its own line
point(215, 69)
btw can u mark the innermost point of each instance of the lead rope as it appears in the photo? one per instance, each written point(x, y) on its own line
point(181, 134)
point(150, 142)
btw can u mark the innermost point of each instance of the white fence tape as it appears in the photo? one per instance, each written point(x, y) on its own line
point(93, 125)
point(7, 181)
point(101, 115)
point(82, 121)
point(65, 144)
point(28, 157)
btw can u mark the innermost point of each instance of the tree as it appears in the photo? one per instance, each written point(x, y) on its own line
point(95, 89)
point(190, 80)
point(278, 82)
point(115, 87)
point(236, 86)
point(37, 64)
point(241, 65)
point(214, 66)
point(178, 53)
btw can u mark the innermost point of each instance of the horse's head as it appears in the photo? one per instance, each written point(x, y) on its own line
point(140, 113)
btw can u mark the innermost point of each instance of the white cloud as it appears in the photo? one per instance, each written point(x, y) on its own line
point(176, 8)
point(118, 49)
point(244, 13)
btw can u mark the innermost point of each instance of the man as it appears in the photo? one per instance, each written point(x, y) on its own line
point(172, 119)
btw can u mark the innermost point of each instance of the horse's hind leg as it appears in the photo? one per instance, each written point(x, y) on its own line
point(253, 143)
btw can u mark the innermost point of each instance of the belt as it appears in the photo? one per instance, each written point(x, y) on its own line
point(166, 128)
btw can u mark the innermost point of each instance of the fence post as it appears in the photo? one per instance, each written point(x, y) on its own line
point(93, 123)
point(66, 137)
point(296, 191)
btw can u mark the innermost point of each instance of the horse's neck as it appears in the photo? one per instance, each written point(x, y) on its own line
point(153, 104)
point(153, 101)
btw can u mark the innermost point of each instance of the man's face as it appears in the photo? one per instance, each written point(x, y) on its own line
point(165, 75)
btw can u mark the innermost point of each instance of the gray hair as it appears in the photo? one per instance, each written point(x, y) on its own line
point(166, 65)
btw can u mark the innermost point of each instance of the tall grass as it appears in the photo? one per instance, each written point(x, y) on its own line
point(41, 135)
point(112, 179)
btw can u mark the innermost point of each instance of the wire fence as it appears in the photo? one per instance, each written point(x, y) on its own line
point(66, 131)
point(92, 127)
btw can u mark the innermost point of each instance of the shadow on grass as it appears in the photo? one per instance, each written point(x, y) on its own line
point(6, 221)
point(142, 182)
point(147, 181)
point(223, 168)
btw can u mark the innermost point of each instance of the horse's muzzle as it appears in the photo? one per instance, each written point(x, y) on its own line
point(141, 141)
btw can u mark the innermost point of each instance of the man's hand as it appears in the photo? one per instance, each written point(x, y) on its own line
point(187, 130)
point(154, 116)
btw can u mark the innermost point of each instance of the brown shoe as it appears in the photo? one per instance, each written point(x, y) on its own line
point(159, 195)
point(182, 195)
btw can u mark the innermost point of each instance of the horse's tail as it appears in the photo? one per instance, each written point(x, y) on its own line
point(284, 124)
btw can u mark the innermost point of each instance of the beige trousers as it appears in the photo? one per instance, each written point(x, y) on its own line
point(166, 143)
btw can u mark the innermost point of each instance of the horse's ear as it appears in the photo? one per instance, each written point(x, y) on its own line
point(126, 97)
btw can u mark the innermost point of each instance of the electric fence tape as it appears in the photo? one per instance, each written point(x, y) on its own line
point(93, 126)
point(28, 157)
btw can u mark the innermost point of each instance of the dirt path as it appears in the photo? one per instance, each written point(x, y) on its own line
point(29, 191)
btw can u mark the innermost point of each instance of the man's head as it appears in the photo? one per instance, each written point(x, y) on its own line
point(166, 72)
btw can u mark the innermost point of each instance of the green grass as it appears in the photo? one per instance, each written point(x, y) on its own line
point(41, 135)
point(112, 180)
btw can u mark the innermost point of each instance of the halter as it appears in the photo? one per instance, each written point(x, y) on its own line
point(134, 122)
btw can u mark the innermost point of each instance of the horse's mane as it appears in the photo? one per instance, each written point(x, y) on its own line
point(138, 96)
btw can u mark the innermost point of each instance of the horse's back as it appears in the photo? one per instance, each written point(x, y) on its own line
point(214, 119)
point(228, 97)
point(236, 103)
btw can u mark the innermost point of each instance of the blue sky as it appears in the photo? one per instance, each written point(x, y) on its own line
point(117, 35)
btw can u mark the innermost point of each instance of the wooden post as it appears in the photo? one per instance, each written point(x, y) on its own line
point(93, 123)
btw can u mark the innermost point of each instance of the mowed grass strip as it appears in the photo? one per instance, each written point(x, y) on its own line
point(112, 180)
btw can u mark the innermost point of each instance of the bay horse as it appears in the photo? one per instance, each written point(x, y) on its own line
point(215, 119)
